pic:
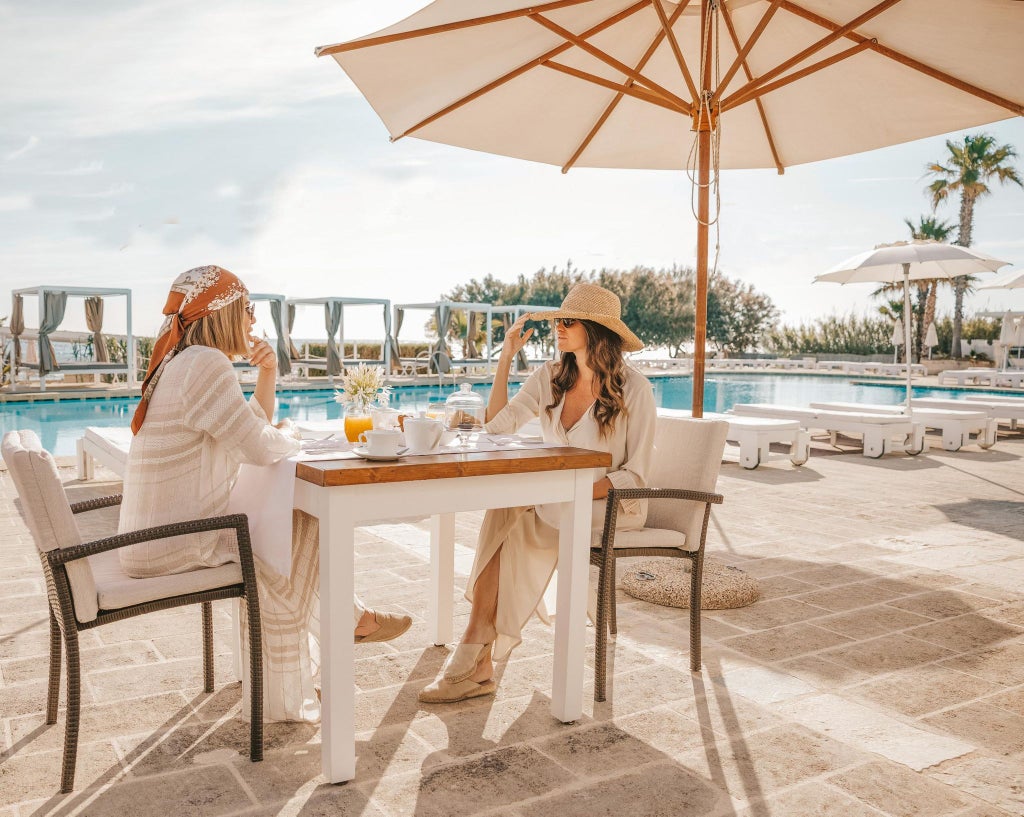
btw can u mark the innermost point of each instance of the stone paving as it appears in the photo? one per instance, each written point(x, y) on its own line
point(882, 673)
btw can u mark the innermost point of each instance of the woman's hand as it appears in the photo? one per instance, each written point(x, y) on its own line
point(516, 338)
point(263, 355)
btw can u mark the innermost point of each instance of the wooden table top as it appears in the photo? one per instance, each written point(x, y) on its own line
point(444, 466)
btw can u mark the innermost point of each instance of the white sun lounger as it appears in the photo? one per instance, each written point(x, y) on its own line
point(107, 446)
point(881, 433)
point(956, 425)
point(996, 408)
point(968, 377)
point(755, 435)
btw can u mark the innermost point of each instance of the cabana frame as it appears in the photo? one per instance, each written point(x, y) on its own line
point(46, 364)
point(442, 314)
point(334, 308)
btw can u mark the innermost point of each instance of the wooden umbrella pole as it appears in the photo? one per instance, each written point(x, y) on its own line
point(703, 121)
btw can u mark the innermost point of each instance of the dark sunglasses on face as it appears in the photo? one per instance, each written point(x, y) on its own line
point(568, 323)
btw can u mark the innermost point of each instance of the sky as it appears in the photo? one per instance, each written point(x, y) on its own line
point(140, 139)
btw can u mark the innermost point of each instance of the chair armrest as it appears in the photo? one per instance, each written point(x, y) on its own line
point(238, 521)
point(663, 493)
point(95, 504)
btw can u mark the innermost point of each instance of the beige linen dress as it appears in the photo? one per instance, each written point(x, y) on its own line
point(528, 536)
point(182, 465)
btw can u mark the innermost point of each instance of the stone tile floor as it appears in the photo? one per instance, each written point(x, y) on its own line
point(882, 673)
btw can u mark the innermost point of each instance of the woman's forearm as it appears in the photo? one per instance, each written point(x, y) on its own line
point(601, 488)
point(499, 389)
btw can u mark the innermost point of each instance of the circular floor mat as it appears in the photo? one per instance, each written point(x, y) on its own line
point(667, 582)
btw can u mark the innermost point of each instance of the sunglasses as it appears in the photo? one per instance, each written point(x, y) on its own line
point(250, 310)
point(568, 323)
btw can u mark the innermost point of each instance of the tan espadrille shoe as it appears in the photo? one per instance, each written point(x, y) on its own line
point(392, 625)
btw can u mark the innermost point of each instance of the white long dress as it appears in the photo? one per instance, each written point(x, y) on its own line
point(182, 465)
point(528, 536)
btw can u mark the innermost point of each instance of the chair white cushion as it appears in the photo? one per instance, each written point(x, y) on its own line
point(651, 538)
point(47, 512)
point(116, 589)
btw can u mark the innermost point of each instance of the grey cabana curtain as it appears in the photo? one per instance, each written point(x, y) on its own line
point(284, 363)
point(17, 327)
point(471, 330)
point(54, 304)
point(94, 321)
point(332, 317)
point(442, 320)
point(293, 353)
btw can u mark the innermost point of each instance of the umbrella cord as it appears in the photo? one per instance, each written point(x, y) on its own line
point(711, 26)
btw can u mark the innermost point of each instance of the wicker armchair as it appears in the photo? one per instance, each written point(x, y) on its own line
point(87, 588)
point(685, 466)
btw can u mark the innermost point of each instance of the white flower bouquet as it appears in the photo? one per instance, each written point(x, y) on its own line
point(363, 386)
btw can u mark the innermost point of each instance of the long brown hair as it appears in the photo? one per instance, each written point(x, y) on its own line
point(225, 329)
point(604, 356)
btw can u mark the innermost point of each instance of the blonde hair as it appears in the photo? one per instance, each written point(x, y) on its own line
point(604, 356)
point(226, 329)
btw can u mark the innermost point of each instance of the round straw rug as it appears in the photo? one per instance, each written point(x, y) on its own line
point(667, 582)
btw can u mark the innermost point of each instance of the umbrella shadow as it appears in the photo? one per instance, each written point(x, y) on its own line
point(994, 515)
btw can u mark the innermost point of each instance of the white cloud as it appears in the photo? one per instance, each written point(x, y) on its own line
point(14, 204)
point(29, 145)
point(84, 169)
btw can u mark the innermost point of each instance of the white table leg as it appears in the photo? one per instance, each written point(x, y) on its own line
point(571, 608)
point(337, 546)
point(442, 577)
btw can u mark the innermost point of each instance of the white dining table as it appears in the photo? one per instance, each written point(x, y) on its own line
point(345, 494)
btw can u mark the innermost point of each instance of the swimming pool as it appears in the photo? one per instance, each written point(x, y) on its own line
point(59, 423)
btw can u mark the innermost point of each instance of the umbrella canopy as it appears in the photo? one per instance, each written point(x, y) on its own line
point(931, 337)
point(701, 84)
point(1008, 280)
point(908, 261)
point(897, 339)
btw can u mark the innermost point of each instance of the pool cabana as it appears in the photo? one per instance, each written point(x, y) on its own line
point(334, 323)
point(283, 347)
point(52, 309)
point(440, 360)
point(516, 311)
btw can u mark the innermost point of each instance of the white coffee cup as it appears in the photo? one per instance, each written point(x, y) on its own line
point(423, 433)
point(384, 419)
point(381, 443)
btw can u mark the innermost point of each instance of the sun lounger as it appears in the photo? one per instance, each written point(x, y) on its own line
point(956, 425)
point(1014, 380)
point(755, 435)
point(881, 433)
point(997, 408)
point(964, 377)
point(107, 446)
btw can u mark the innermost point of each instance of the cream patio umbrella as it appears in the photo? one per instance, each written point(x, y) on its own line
point(908, 261)
point(898, 339)
point(695, 84)
point(931, 338)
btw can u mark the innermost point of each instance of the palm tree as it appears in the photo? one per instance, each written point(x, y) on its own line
point(968, 170)
point(927, 228)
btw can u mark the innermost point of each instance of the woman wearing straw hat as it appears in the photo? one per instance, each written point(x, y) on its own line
point(193, 429)
point(589, 398)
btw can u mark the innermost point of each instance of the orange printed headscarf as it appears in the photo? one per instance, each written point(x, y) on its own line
point(194, 295)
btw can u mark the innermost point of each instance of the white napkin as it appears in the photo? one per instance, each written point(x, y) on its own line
point(266, 494)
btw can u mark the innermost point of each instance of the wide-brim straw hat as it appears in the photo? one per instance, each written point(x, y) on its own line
point(589, 302)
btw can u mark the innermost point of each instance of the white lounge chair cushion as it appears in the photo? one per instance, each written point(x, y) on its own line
point(47, 512)
point(116, 589)
point(114, 440)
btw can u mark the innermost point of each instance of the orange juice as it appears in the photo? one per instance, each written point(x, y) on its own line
point(356, 424)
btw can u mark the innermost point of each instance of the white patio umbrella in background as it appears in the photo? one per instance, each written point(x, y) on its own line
point(696, 84)
point(908, 261)
point(931, 338)
point(1014, 279)
point(897, 340)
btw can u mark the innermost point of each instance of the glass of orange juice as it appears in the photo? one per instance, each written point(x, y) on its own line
point(357, 420)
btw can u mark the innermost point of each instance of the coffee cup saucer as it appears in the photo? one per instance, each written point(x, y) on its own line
point(360, 451)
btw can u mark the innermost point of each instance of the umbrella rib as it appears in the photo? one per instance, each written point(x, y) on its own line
point(338, 48)
point(666, 30)
point(909, 62)
point(764, 90)
point(824, 42)
point(608, 59)
point(741, 56)
point(666, 25)
point(622, 88)
point(757, 101)
point(522, 69)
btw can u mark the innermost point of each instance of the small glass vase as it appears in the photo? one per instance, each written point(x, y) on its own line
point(357, 420)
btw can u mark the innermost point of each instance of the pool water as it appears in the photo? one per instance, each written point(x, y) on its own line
point(59, 423)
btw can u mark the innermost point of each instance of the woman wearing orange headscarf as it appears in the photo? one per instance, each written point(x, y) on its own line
point(193, 429)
